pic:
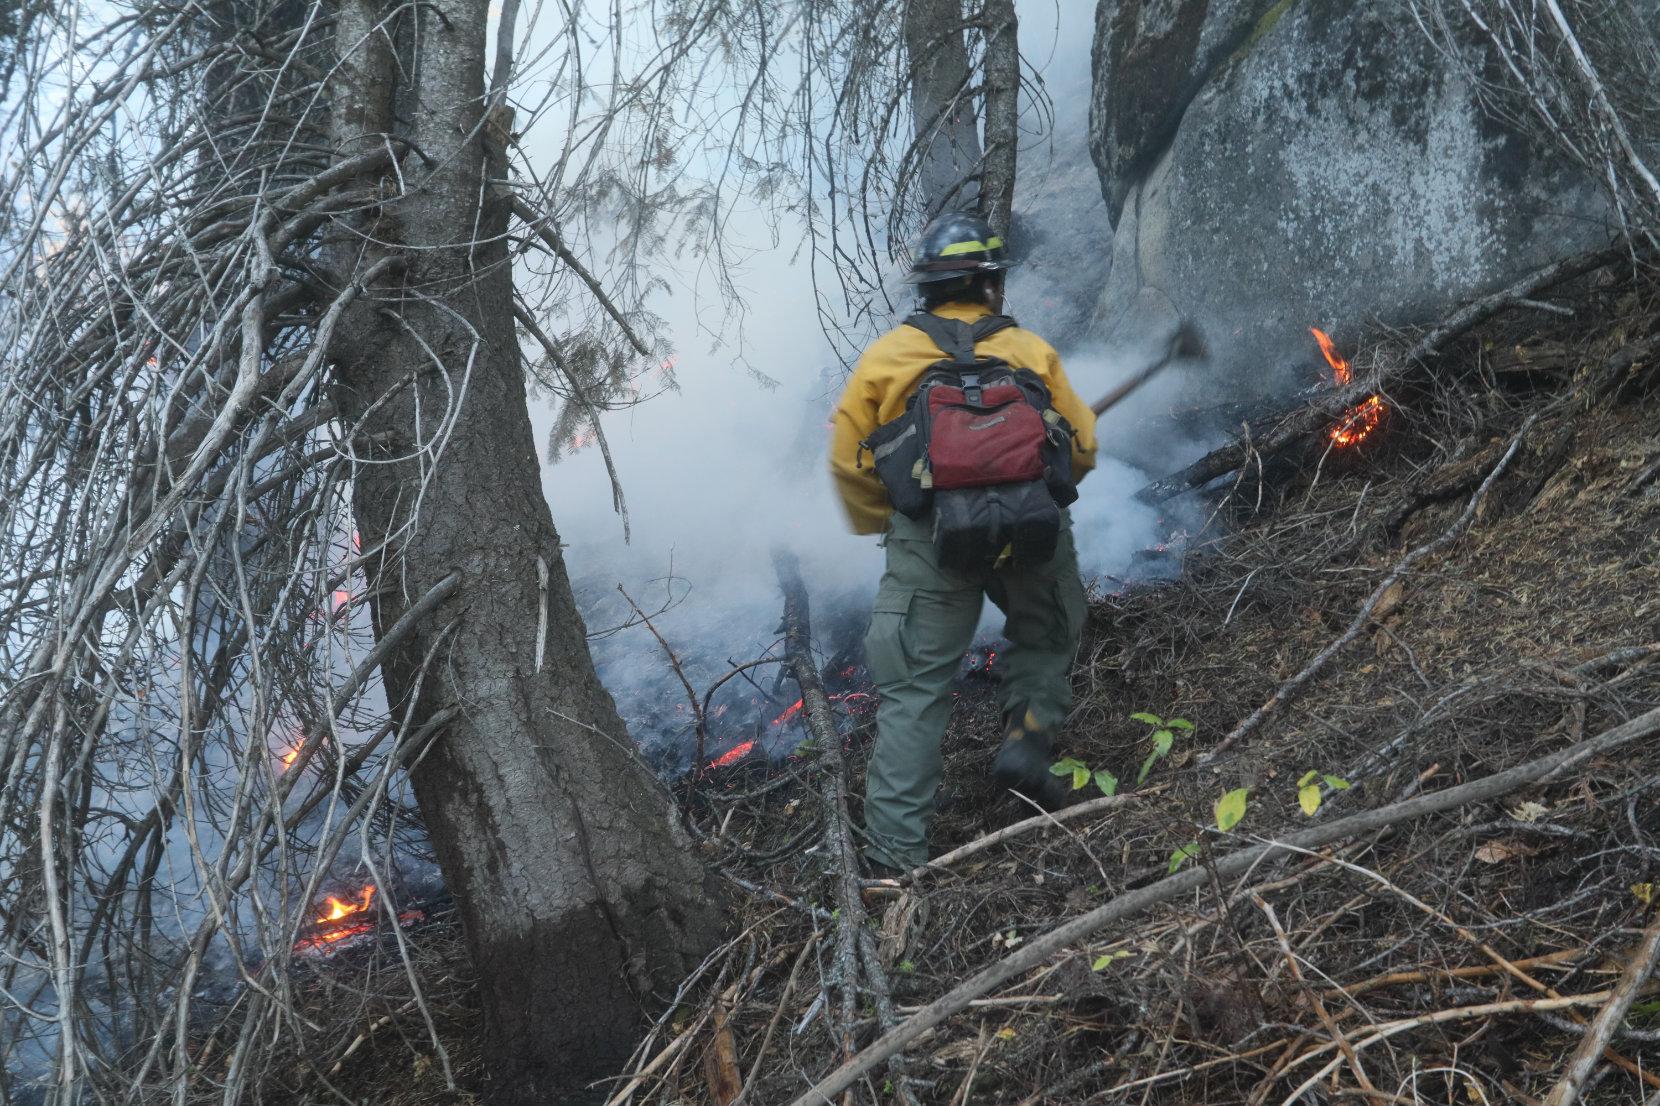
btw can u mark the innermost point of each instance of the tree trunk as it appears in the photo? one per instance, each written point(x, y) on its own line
point(1002, 113)
point(582, 901)
point(947, 133)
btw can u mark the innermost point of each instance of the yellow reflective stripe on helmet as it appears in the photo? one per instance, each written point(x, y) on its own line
point(976, 246)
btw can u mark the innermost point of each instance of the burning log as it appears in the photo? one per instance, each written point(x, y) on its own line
point(1358, 423)
point(1331, 408)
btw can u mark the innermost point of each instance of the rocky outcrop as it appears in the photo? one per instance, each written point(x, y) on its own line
point(1269, 166)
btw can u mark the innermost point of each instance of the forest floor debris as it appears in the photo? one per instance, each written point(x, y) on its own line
point(1469, 957)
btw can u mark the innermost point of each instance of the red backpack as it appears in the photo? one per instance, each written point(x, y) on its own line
point(981, 446)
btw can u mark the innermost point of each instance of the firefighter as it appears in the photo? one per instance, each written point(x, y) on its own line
point(925, 614)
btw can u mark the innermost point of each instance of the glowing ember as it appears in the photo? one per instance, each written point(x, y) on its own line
point(290, 756)
point(732, 755)
point(1359, 422)
point(794, 709)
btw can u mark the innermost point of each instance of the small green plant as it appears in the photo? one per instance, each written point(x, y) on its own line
point(1081, 775)
point(1230, 811)
point(1182, 855)
point(1230, 808)
point(1309, 793)
point(1105, 959)
point(1164, 737)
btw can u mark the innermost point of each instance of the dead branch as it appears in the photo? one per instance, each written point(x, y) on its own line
point(1026, 825)
point(1637, 972)
point(856, 957)
point(1295, 425)
point(1384, 1031)
point(1337, 1036)
point(1289, 690)
point(1039, 949)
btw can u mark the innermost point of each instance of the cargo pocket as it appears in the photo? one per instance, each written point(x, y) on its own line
point(885, 652)
point(1048, 616)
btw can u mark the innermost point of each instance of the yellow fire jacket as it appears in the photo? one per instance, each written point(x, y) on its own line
point(887, 375)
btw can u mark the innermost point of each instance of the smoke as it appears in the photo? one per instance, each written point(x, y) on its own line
point(725, 468)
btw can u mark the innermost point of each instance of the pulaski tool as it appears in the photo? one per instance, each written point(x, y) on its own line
point(1186, 343)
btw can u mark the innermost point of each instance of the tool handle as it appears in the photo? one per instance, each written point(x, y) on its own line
point(1113, 397)
point(1185, 342)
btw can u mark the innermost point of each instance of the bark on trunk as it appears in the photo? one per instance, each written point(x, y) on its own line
point(582, 901)
point(1002, 114)
point(948, 135)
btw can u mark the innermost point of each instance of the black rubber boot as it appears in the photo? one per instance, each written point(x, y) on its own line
point(1023, 761)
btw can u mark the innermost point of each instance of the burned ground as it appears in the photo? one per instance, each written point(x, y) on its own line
point(1532, 630)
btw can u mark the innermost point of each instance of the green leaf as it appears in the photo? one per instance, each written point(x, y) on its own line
point(1146, 767)
point(1106, 781)
point(1107, 958)
point(1162, 740)
point(1065, 766)
point(1336, 783)
point(1308, 797)
point(1080, 778)
point(907, 966)
point(1150, 719)
point(1307, 778)
point(1182, 855)
point(1230, 808)
point(1645, 1010)
point(1178, 724)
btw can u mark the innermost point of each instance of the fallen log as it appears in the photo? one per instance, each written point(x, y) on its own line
point(1039, 949)
point(1292, 426)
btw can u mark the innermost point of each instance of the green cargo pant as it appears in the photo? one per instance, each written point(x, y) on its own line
point(922, 625)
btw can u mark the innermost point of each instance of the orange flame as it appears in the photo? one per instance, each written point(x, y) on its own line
point(289, 757)
point(343, 919)
point(1357, 424)
point(1340, 367)
point(338, 909)
point(736, 753)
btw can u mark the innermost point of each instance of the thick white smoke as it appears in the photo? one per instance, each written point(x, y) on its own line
point(722, 470)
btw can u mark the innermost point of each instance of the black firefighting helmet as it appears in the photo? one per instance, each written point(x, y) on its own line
point(954, 246)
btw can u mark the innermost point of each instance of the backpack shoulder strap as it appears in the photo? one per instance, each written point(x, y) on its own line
point(991, 324)
point(954, 338)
